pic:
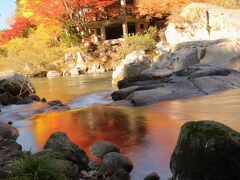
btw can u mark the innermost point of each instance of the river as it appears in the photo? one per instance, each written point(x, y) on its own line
point(147, 134)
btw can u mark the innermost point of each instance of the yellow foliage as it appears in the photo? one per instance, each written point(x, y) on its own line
point(39, 52)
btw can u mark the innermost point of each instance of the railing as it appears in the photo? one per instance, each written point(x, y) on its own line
point(113, 12)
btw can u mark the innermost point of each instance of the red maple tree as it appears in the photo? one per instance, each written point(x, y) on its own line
point(18, 29)
point(77, 12)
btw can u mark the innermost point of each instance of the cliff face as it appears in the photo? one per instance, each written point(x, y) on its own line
point(203, 21)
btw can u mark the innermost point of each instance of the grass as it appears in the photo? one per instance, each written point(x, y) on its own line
point(36, 167)
point(138, 42)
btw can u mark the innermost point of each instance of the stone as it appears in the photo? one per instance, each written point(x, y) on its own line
point(6, 99)
point(196, 80)
point(59, 141)
point(124, 93)
point(152, 176)
point(8, 132)
point(35, 98)
point(43, 100)
point(114, 161)
point(92, 164)
point(75, 71)
point(172, 62)
point(223, 23)
point(60, 107)
point(53, 74)
point(121, 174)
point(55, 102)
point(40, 74)
point(10, 150)
point(132, 66)
point(26, 100)
point(16, 84)
point(101, 148)
point(206, 150)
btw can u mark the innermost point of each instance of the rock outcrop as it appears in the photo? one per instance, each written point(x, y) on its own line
point(93, 58)
point(203, 21)
point(196, 80)
point(206, 150)
point(200, 60)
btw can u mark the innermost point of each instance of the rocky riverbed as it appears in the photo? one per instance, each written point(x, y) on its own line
point(180, 71)
point(16, 89)
point(210, 147)
point(197, 80)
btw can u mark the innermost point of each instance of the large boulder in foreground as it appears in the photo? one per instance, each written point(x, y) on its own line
point(60, 142)
point(132, 66)
point(14, 86)
point(206, 150)
point(223, 23)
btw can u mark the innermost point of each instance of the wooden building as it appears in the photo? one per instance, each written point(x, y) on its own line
point(122, 22)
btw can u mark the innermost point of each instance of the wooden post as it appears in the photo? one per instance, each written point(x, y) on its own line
point(125, 28)
point(103, 33)
point(137, 27)
point(208, 27)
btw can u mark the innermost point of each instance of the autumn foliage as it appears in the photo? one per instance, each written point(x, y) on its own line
point(19, 29)
point(160, 8)
point(75, 12)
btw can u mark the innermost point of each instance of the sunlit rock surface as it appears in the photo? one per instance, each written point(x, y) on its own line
point(132, 66)
point(194, 26)
point(196, 80)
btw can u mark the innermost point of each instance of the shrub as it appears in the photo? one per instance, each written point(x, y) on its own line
point(70, 36)
point(33, 167)
point(39, 52)
point(3, 52)
point(138, 42)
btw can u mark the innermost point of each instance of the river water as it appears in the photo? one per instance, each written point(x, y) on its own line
point(147, 134)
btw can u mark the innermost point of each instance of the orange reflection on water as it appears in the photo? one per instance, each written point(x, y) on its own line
point(86, 126)
point(148, 134)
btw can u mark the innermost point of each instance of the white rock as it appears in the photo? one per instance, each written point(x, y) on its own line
point(223, 23)
point(53, 74)
point(132, 66)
